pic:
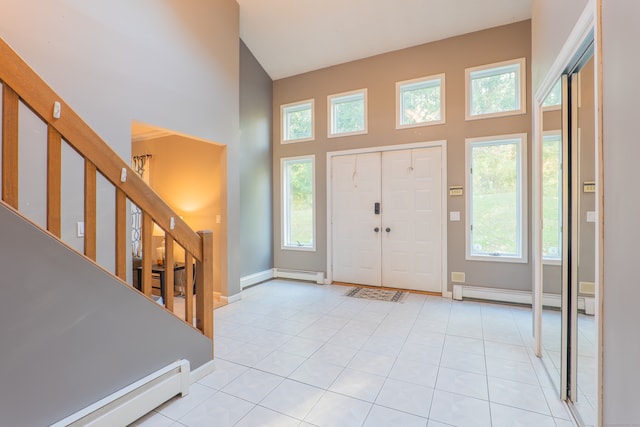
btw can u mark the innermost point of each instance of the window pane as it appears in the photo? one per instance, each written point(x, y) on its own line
point(348, 114)
point(555, 96)
point(298, 122)
point(495, 90)
point(495, 198)
point(298, 196)
point(420, 102)
point(551, 197)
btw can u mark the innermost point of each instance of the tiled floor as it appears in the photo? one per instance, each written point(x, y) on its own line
point(297, 354)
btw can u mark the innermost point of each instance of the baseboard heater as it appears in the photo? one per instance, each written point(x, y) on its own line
point(310, 276)
point(518, 297)
point(132, 402)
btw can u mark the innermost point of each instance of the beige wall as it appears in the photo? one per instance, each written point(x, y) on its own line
point(379, 75)
point(186, 173)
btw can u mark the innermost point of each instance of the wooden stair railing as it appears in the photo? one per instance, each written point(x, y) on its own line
point(20, 84)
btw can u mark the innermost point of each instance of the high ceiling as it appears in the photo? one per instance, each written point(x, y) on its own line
point(290, 37)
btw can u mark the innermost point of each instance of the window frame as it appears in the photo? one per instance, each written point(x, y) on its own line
point(330, 113)
point(546, 260)
point(399, 106)
point(522, 258)
point(284, 220)
point(283, 121)
point(522, 63)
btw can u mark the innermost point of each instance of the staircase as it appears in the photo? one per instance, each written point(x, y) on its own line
point(74, 333)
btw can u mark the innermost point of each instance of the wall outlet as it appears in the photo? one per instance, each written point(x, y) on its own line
point(587, 288)
point(454, 216)
point(457, 277)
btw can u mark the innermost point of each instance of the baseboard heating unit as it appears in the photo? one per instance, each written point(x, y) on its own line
point(132, 402)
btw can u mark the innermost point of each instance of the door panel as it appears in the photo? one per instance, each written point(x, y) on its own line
point(411, 201)
point(356, 246)
point(408, 185)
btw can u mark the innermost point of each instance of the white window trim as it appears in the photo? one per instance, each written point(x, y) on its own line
point(330, 133)
point(523, 258)
point(443, 109)
point(523, 89)
point(283, 210)
point(555, 260)
point(283, 125)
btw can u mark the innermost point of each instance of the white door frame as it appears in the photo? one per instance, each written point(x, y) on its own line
point(430, 144)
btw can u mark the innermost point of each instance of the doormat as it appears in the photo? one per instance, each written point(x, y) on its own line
point(376, 294)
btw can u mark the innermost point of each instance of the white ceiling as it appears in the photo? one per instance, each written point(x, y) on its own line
point(290, 37)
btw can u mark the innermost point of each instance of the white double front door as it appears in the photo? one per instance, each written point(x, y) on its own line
point(386, 215)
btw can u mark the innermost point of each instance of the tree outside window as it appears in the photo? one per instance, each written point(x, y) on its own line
point(298, 203)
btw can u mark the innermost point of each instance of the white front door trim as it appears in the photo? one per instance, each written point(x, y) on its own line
point(443, 144)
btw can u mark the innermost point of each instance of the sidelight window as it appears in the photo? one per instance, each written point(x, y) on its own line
point(298, 203)
point(497, 212)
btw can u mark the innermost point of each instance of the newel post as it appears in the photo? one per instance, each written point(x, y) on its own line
point(204, 285)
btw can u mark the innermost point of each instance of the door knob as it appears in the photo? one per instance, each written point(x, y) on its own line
point(387, 229)
point(376, 229)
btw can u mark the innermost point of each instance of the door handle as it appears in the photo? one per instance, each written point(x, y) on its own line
point(387, 229)
point(376, 229)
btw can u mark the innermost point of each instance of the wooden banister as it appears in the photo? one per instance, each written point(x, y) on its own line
point(121, 234)
point(54, 181)
point(21, 84)
point(19, 77)
point(9, 146)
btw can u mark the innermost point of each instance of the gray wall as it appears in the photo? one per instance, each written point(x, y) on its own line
point(379, 74)
point(620, 317)
point(169, 63)
point(256, 175)
point(71, 333)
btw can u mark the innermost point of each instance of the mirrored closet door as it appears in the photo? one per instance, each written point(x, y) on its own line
point(566, 162)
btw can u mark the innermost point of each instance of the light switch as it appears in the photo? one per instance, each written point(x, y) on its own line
point(80, 228)
point(591, 216)
point(454, 216)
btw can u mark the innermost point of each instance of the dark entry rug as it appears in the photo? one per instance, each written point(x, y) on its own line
point(376, 294)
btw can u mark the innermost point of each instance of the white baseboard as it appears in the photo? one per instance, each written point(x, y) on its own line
point(132, 402)
point(518, 297)
point(309, 276)
point(228, 299)
point(201, 372)
point(254, 279)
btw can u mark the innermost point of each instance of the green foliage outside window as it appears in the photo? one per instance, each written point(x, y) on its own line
point(298, 122)
point(299, 198)
point(348, 114)
point(495, 93)
point(420, 103)
point(555, 96)
point(551, 197)
point(495, 213)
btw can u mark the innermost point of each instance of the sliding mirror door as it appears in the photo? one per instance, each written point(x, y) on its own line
point(566, 310)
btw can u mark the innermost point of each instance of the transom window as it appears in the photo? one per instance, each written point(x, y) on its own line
point(496, 90)
point(554, 98)
point(298, 200)
point(348, 113)
point(297, 121)
point(420, 102)
point(496, 182)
